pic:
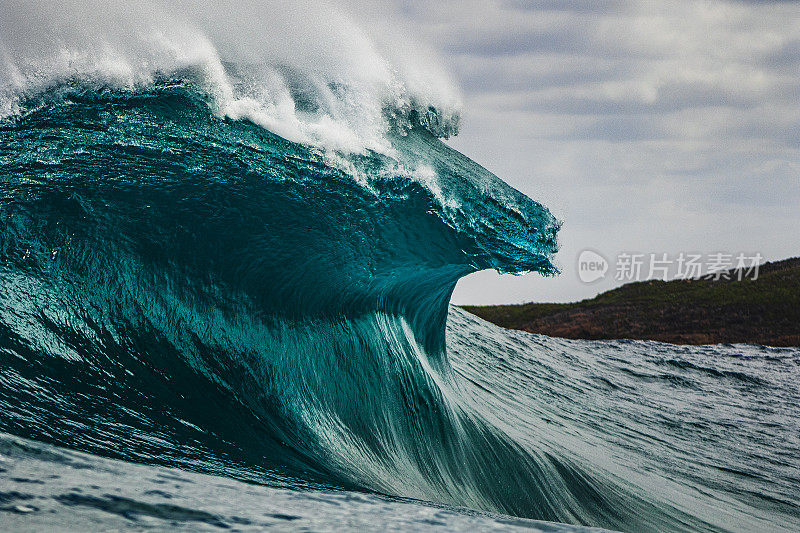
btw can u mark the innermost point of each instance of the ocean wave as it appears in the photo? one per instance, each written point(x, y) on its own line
point(195, 275)
point(151, 246)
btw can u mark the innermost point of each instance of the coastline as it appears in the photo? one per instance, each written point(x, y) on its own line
point(763, 311)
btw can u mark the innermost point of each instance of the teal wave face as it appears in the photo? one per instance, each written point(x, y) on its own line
point(184, 289)
point(158, 251)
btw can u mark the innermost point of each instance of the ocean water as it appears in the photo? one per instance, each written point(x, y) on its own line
point(224, 304)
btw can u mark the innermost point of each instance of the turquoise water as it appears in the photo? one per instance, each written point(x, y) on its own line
point(198, 297)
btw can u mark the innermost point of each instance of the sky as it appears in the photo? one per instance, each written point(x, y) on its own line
point(646, 127)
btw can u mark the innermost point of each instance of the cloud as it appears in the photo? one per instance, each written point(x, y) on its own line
point(644, 125)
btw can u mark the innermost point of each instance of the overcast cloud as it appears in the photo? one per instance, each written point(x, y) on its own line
point(645, 126)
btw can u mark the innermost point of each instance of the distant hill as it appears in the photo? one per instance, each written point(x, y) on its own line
point(695, 311)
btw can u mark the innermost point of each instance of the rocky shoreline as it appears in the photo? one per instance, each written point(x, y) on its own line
point(696, 311)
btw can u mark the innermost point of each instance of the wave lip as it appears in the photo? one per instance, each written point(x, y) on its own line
point(323, 81)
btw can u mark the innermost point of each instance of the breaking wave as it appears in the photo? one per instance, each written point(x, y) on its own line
point(244, 268)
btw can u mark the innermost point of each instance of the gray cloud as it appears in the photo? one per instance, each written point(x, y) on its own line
point(649, 126)
point(580, 6)
point(785, 56)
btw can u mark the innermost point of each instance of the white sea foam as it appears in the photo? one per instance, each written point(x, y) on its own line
point(304, 70)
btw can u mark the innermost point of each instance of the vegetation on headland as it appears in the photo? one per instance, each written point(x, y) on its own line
point(693, 311)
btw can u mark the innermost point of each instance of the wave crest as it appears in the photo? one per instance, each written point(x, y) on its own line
point(308, 74)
